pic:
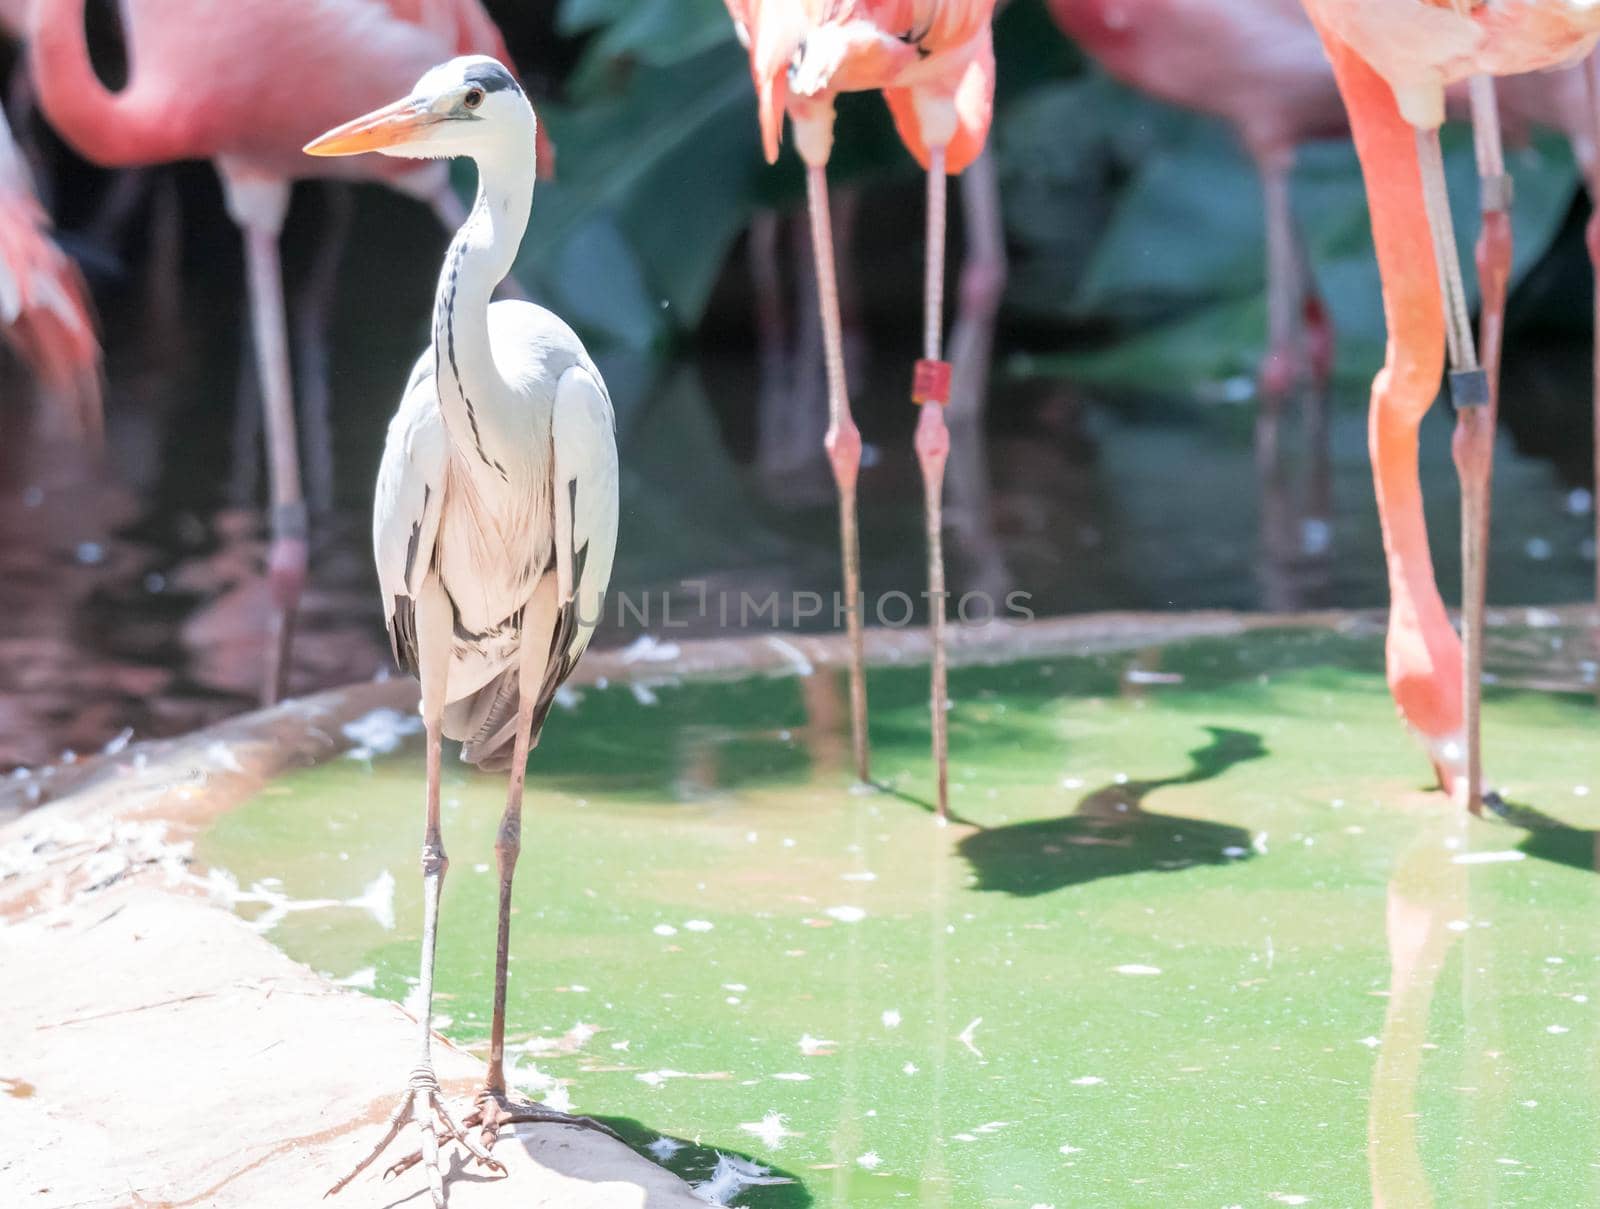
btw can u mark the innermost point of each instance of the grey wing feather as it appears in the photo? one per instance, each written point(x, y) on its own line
point(405, 521)
point(584, 484)
point(586, 506)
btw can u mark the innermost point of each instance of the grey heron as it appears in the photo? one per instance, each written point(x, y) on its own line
point(495, 523)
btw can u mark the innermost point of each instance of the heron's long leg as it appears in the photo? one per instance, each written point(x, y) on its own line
point(843, 443)
point(258, 207)
point(983, 281)
point(1472, 394)
point(422, 1100)
point(931, 389)
point(508, 841)
point(430, 621)
point(314, 313)
point(494, 1106)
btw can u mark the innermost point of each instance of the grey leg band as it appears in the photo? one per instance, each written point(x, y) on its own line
point(1469, 388)
point(289, 521)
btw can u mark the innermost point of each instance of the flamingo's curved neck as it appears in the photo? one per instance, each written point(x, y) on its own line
point(111, 128)
point(1424, 654)
point(472, 393)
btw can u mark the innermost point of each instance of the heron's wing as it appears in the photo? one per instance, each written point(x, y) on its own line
point(584, 485)
point(405, 519)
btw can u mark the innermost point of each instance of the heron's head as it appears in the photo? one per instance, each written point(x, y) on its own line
point(468, 106)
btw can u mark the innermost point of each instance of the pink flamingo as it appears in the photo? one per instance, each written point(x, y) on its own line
point(44, 305)
point(1393, 60)
point(933, 60)
point(245, 84)
point(1276, 90)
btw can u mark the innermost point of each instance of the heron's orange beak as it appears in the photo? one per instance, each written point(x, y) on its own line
point(386, 127)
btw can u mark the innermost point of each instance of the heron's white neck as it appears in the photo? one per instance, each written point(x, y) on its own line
point(472, 393)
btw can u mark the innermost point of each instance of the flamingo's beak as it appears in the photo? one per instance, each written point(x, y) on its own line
point(393, 125)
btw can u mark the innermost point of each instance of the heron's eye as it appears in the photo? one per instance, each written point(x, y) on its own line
point(473, 99)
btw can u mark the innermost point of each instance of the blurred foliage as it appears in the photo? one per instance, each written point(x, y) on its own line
point(1147, 224)
point(1135, 230)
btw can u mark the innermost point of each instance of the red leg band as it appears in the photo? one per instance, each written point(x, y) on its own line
point(930, 383)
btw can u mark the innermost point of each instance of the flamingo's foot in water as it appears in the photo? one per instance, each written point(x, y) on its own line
point(1448, 754)
point(1449, 758)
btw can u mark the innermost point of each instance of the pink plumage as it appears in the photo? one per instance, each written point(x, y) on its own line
point(1257, 64)
point(251, 80)
point(44, 304)
point(246, 84)
point(1421, 47)
point(804, 52)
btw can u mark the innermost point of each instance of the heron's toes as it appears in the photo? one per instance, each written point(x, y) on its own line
point(496, 1109)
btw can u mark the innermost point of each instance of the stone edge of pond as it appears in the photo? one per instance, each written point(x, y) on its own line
point(230, 760)
point(166, 791)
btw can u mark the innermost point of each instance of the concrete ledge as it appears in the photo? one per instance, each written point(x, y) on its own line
point(159, 1052)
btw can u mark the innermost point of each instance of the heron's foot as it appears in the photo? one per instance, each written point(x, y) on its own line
point(424, 1104)
point(496, 1108)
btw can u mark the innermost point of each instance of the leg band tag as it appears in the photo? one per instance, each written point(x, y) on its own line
point(930, 383)
point(1469, 388)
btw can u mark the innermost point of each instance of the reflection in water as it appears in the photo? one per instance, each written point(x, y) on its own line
point(1427, 892)
point(1111, 834)
point(1432, 904)
point(57, 559)
point(934, 1169)
point(1296, 557)
point(826, 735)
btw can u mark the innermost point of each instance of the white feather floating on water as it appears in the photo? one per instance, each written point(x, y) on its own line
point(731, 1176)
point(380, 732)
point(533, 1080)
point(648, 649)
point(378, 899)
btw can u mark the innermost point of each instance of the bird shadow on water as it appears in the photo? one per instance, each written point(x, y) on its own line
point(718, 1176)
point(721, 1177)
point(1110, 833)
point(1549, 839)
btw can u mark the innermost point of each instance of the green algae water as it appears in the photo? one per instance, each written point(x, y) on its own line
point(1200, 935)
